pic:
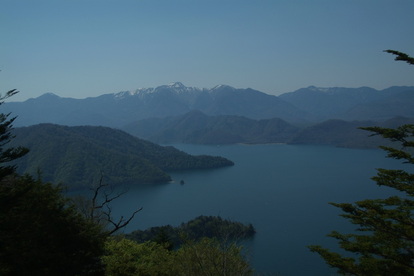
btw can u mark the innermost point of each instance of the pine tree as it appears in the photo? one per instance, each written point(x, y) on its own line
point(8, 154)
point(383, 244)
point(41, 232)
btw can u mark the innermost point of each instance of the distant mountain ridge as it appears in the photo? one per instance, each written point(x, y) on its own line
point(306, 105)
point(362, 103)
point(118, 109)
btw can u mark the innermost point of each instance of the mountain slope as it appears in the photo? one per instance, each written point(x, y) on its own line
point(362, 103)
point(77, 156)
point(342, 133)
point(330, 103)
point(250, 103)
point(197, 128)
point(394, 104)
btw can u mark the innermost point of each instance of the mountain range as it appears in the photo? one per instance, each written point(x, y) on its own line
point(348, 104)
point(176, 113)
point(302, 107)
point(119, 109)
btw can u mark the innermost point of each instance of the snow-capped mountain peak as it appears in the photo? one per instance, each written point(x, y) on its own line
point(176, 85)
point(223, 86)
point(123, 94)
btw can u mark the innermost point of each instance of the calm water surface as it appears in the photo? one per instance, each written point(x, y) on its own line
point(283, 190)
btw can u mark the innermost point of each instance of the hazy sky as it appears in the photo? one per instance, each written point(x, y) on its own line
point(81, 48)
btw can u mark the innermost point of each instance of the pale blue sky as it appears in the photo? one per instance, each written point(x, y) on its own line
point(82, 48)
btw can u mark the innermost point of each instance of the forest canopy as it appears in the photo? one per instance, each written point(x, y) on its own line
point(79, 156)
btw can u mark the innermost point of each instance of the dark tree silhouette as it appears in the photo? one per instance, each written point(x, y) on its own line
point(8, 154)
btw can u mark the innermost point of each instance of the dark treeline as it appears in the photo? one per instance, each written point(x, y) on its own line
point(196, 229)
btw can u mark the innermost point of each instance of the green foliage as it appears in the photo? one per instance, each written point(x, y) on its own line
point(41, 233)
point(196, 229)
point(163, 238)
point(125, 257)
point(206, 257)
point(210, 257)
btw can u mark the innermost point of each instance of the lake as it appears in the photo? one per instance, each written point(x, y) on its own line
point(283, 190)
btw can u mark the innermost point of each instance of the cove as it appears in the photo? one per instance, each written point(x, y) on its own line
point(283, 190)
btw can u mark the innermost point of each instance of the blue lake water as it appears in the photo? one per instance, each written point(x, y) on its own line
point(283, 190)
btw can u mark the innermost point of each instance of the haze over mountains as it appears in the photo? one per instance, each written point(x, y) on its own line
point(116, 110)
point(310, 104)
point(362, 103)
point(176, 113)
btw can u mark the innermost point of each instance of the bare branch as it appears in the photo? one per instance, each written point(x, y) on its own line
point(121, 222)
point(96, 191)
point(101, 200)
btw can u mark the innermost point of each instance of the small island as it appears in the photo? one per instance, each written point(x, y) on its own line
point(194, 230)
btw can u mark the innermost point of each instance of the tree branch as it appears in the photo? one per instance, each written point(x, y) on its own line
point(96, 210)
point(121, 222)
point(401, 56)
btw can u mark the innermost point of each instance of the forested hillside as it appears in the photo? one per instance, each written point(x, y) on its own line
point(195, 229)
point(78, 156)
point(197, 128)
point(347, 134)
